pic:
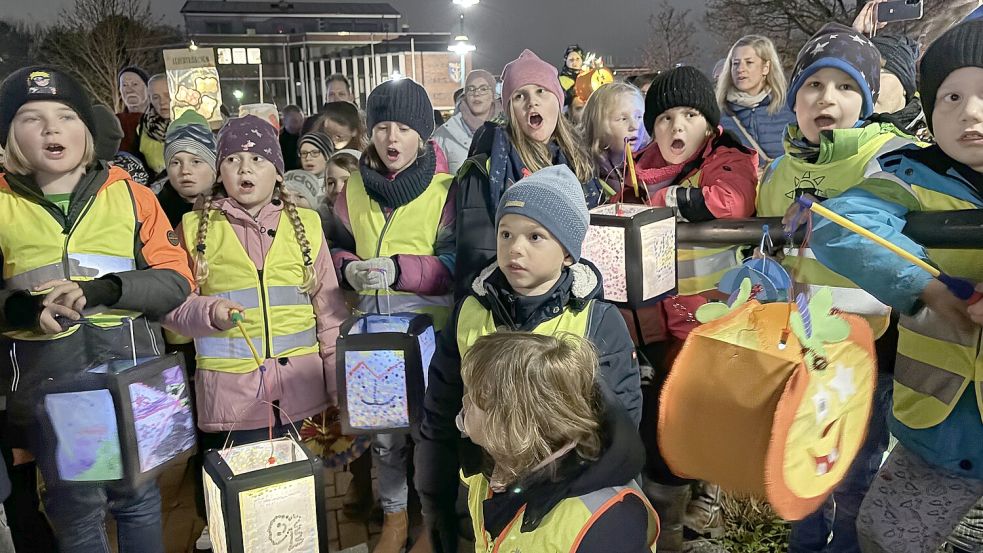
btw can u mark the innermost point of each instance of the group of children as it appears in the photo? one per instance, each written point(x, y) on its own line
point(535, 397)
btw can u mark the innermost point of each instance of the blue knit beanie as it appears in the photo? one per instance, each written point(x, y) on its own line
point(842, 48)
point(554, 198)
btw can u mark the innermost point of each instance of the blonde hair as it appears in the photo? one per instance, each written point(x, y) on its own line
point(204, 204)
point(538, 394)
point(16, 163)
point(537, 156)
point(598, 109)
point(774, 80)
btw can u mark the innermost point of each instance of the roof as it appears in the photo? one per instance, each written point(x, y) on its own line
point(286, 7)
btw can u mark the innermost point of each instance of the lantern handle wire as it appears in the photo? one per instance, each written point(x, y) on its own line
point(295, 436)
point(238, 319)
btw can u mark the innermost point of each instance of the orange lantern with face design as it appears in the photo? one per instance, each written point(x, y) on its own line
point(770, 400)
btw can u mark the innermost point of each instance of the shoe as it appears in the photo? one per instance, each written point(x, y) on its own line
point(204, 542)
point(704, 516)
point(394, 530)
point(670, 504)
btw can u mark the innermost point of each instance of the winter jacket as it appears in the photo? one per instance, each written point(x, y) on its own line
point(546, 507)
point(910, 119)
point(160, 281)
point(454, 138)
point(494, 165)
point(175, 207)
point(442, 450)
point(941, 423)
point(767, 129)
point(304, 385)
point(291, 154)
point(129, 121)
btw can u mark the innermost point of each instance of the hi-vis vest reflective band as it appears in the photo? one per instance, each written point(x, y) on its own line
point(474, 321)
point(700, 269)
point(410, 230)
point(562, 529)
point(36, 249)
point(279, 317)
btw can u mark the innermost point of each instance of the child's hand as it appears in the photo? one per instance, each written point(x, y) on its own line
point(49, 322)
point(222, 311)
point(951, 308)
point(22, 456)
point(976, 310)
point(793, 212)
point(63, 292)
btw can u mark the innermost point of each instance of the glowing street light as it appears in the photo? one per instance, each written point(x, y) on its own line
point(238, 94)
point(466, 3)
point(462, 46)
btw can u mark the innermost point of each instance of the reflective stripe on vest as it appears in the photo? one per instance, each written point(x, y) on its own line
point(563, 529)
point(700, 269)
point(410, 229)
point(474, 321)
point(279, 317)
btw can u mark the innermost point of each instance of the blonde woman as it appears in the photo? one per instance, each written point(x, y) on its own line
point(612, 121)
point(751, 93)
point(563, 452)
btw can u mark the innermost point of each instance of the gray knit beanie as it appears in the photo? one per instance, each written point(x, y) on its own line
point(554, 198)
point(190, 133)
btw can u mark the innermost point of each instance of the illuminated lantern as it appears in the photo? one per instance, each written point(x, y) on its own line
point(634, 247)
point(265, 497)
point(120, 423)
point(382, 371)
point(771, 400)
point(593, 76)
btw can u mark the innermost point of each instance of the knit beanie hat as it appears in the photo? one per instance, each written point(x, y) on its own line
point(136, 71)
point(481, 75)
point(528, 68)
point(109, 132)
point(840, 47)
point(899, 55)
point(250, 134)
point(190, 133)
point(960, 46)
point(554, 198)
point(403, 101)
point(41, 83)
point(320, 141)
point(681, 87)
point(305, 185)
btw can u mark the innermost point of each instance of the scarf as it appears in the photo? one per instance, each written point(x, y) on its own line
point(405, 186)
point(154, 124)
point(744, 99)
point(799, 147)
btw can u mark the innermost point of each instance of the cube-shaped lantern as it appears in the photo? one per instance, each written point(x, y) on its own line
point(121, 422)
point(265, 497)
point(634, 247)
point(382, 371)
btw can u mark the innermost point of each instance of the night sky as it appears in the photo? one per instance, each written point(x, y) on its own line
point(499, 28)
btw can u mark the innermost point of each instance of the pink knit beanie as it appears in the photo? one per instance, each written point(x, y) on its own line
point(529, 69)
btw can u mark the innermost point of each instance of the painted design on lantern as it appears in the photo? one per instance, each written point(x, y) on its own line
point(88, 440)
point(376, 389)
point(286, 530)
point(162, 418)
point(659, 258)
point(605, 248)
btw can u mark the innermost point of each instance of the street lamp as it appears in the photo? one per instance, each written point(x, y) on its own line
point(466, 3)
point(462, 46)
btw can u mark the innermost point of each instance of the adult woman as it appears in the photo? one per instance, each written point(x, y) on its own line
point(477, 106)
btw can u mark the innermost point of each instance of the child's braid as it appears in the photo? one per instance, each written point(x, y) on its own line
point(310, 273)
point(201, 264)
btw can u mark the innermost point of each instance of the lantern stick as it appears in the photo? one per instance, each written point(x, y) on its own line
point(237, 318)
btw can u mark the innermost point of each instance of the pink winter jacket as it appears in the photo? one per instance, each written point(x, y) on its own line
point(304, 385)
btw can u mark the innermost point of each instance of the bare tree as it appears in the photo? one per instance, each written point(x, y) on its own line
point(670, 39)
point(18, 45)
point(94, 39)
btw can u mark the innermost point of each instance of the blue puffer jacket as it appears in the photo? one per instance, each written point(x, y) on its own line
point(767, 130)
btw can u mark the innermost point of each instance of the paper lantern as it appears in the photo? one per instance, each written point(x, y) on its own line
point(634, 247)
point(382, 371)
point(265, 497)
point(768, 404)
point(121, 423)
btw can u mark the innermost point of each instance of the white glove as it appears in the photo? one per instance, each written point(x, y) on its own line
point(378, 273)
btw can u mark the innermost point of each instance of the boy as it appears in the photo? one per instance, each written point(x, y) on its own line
point(539, 284)
point(938, 385)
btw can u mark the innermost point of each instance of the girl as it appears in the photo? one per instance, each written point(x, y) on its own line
point(563, 456)
point(340, 167)
point(79, 237)
point(751, 94)
point(535, 136)
point(479, 105)
point(254, 252)
point(190, 153)
point(613, 121)
point(395, 218)
point(343, 124)
point(314, 149)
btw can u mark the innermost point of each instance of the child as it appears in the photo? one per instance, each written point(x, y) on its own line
point(834, 86)
point(612, 122)
point(315, 148)
point(935, 474)
point(79, 238)
point(189, 152)
point(537, 283)
point(340, 168)
point(535, 136)
point(256, 253)
point(397, 217)
point(343, 125)
point(306, 189)
point(564, 458)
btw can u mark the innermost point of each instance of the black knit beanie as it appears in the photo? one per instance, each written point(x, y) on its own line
point(960, 46)
point(681, 87)
point(899, 55)
point(403, 101)
point(136, 71)
point(40, 83)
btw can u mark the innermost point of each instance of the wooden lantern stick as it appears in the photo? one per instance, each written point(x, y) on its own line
point(237, 318)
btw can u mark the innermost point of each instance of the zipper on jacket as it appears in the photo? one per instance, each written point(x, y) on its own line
point(68, 236)
point(378, 249)
point(268, 343)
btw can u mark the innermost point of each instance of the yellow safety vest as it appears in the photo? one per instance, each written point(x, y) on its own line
point(153, 152)
point(474, 321)
point(410, 229)
point(699, 269)
point(36, 249)
point(567, 82)
point(561, 531)
point(279, 317)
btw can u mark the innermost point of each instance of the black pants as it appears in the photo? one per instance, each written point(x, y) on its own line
point(28, 526)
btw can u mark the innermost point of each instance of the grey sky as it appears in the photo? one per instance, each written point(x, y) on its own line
point(500, 28)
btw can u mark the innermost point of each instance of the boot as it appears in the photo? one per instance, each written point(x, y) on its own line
point(358, 499)
point(704, 516)
point(670, 503)
point(394, 529)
